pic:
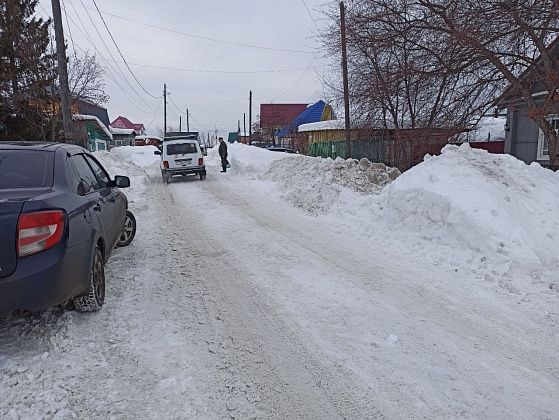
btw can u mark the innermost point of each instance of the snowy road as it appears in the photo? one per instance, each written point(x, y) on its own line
point(231, 304)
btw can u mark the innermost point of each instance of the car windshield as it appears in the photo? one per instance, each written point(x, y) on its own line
point(181, 149)
point(26, 169)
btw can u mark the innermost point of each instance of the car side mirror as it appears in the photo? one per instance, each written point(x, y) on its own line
point(157, 152)
point(122, 181)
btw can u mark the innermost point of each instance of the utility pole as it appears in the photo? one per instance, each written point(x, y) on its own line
point(187, 120)
point(346, 82)
point(164, 110)
point(62, 70)
point(245, 123)
point(249, 118)
point(180, 123)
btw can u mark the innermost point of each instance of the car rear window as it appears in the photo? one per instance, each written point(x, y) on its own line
point(26, 169)
point(181, 149)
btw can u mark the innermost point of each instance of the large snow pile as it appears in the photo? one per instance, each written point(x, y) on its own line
point(493, 204)
point(139, 155)
point(138, 163)
point(315, 183)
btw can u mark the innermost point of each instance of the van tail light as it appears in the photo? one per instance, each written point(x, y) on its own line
point(200, 161)
point(39, 231)
point(166, 164)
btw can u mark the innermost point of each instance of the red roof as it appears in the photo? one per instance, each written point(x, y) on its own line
point(279, 115)
point(123, 122)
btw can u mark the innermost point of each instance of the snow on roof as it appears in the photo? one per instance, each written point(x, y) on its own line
point(322, 125)
point(146, 137)
point(81, 117)
point(122, 131)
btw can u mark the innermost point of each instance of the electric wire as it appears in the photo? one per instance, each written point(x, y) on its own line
point(205, 38)
point(310, 15)
point(140, 102)
point(120, 52)
point(122, 74)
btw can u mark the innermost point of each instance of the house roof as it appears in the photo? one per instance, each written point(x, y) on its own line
point(310, 115)
point(123, 122)
point(122, 131)
point(322, 126)
point(278, 115)
point(89, 108)
point(510, 93)
point(81, 117)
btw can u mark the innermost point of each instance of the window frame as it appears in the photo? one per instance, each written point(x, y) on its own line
point(110, 182)
point(82, 156)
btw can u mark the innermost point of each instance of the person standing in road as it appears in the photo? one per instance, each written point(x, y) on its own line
point(223, 154)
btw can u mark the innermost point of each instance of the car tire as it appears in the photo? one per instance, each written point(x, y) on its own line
point(129, 230)
point(202, 177)
point(95, 297)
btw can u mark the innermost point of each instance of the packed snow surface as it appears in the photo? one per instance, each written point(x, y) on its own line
point(292, 287)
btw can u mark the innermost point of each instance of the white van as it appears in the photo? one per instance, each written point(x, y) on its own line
point(181, 156)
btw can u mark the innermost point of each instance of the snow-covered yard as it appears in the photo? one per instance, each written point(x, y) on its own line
point(296, 287)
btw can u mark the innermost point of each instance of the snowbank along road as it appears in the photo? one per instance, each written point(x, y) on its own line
point(231, 303)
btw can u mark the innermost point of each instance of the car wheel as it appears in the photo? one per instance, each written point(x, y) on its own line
point(95, 297)
point(202, 177)
point(129, 230)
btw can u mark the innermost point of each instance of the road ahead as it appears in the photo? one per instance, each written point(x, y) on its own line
point(232, 305)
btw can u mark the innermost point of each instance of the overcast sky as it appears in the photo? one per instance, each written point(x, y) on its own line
point(211, 97)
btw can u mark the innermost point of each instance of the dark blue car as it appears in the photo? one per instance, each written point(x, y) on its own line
point(60, 218)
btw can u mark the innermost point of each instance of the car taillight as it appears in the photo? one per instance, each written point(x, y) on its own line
point(166, 164)
point(200, 161)
point(39, 231)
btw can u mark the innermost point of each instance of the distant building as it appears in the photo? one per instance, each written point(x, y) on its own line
point(289, 136)
point(233, 137)
point(123, 136)
point(125, 123)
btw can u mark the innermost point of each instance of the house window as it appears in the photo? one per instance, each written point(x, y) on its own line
point(543, 146)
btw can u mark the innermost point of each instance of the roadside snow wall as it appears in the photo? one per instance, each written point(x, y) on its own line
point(493, 204)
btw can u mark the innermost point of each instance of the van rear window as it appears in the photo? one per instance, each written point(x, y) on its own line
point(181, 149)
point(26, 169)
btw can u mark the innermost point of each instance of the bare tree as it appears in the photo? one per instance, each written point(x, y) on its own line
point(86, 79)
point(517, 38)
point(406, 76)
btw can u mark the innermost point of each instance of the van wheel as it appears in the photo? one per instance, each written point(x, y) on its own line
point(95, 297)
point(129, 230)
point(165, 178)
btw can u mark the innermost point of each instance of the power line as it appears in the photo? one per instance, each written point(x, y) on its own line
point(120, 52)
point(205, 38)
point(137, 102)
point(217, 71)
point(69, 30)
point(310, 14)
point(122, 74)
point(154, 115)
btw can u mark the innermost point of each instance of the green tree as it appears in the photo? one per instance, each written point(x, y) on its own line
point(27, 70)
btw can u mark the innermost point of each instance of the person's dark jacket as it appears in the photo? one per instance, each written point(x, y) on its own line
point(223, 150)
